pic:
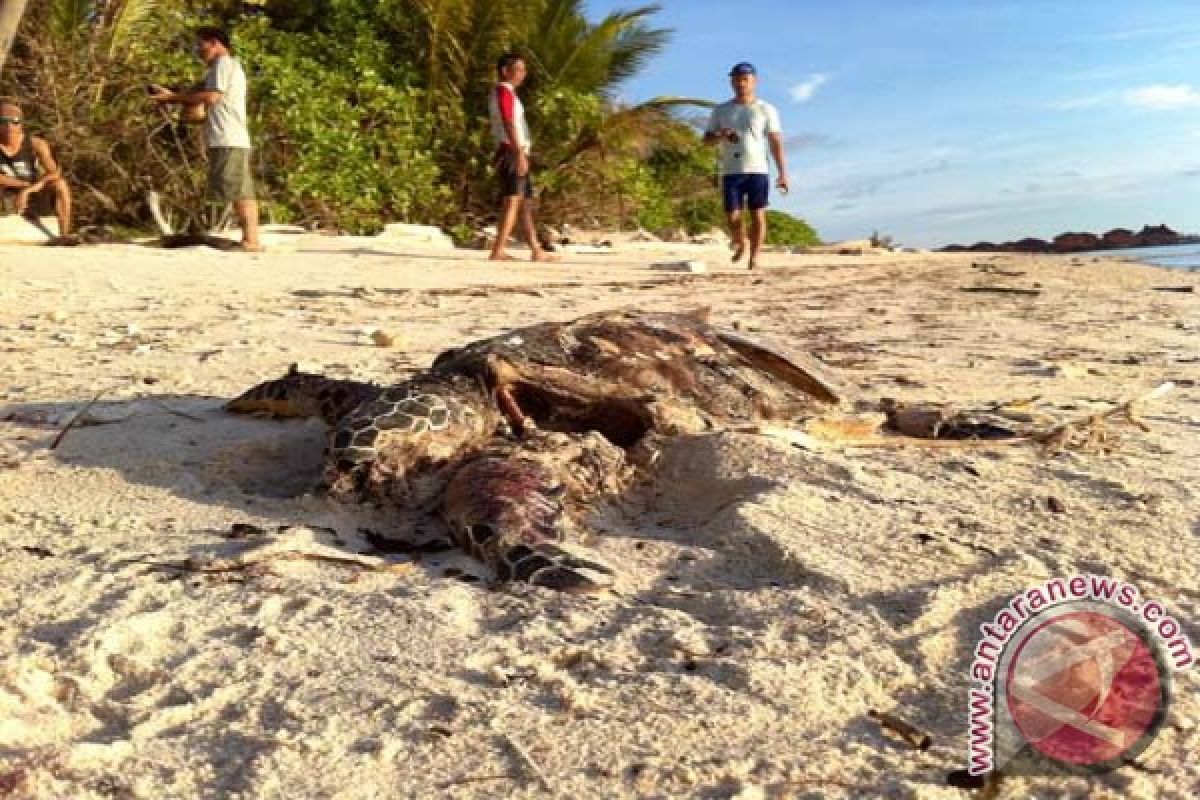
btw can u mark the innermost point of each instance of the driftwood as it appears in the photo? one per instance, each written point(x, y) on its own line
point(1001, 290)
point(1181, 289)
point(864, 431)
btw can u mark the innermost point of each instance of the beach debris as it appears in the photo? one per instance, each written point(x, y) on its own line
point(1180, 289)
point(692, 266)
point(1055, 505)
point(527, 761)
point(382, 339)
point(913, 736)
point(1001, 290)
point(1065, 369)
point(993, 269)
point(75, 420)
point(289, 543)
point(466, 780)
point(941, 426)
point(936, 422)
point(1090, 432)
point(714, 238)
point(244, 530)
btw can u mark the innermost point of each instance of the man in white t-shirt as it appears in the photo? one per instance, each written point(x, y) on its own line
point(223, 94)
point(746, 129)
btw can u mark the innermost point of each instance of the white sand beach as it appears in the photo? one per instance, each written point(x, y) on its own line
point(769, 596)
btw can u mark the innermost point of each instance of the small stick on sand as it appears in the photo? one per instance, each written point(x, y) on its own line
point(527, 762)
point(1001, 290)
point(467, 780)
point(915, 737)
point(74, 421)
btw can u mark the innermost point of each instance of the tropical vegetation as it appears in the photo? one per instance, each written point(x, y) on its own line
point(365, 111)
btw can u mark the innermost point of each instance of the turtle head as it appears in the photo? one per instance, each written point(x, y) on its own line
point(303, 394)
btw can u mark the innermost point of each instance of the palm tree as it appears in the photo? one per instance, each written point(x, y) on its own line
point(456, 43)
point(10, 19)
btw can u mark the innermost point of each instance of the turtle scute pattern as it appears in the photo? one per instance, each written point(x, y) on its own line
point(511, 438)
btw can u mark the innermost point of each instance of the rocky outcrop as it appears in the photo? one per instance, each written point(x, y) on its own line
point(1157, 236)
point(1116, 239)
point(1031, 245)
point(1076, 242)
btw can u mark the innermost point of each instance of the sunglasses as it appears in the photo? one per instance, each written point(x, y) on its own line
point(10, 120)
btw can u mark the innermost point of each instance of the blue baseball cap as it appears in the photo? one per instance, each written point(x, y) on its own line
point(744, 68)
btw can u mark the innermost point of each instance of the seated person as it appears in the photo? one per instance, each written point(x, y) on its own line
point(30, 180)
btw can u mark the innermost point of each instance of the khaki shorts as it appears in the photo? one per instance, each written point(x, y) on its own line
point(229, 174)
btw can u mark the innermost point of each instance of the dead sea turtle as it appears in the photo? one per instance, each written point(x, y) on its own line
point(508, 436)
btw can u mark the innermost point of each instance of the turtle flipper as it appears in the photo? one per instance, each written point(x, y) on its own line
point(553, 567)
point(508, 512)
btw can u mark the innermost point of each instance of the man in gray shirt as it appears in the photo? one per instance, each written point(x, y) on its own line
point(223, 93)
point(746, 129)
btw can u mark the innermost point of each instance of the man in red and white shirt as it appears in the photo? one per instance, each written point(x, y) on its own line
point(512, 159)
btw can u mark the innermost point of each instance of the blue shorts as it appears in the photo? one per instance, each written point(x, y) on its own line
point(745, 191)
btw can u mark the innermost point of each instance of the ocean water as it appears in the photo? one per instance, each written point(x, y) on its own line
point(1178, 256)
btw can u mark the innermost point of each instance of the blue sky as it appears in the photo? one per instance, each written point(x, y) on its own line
point(943, 121)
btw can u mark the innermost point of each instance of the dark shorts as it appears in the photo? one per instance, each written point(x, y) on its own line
point(41, 204)
point(745, 191)
point(511, 184)
point(230, 177)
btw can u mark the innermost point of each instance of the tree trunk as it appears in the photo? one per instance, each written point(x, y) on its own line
point(10, 20)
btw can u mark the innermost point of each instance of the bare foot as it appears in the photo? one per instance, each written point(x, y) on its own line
point(739, 250)
point(250, 247)
point(542, 255)
point(752, 264)
point(500, 257)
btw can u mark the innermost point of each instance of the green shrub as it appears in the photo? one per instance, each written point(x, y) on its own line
point(789, 231)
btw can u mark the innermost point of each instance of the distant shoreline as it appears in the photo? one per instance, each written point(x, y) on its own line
point(1083, 242)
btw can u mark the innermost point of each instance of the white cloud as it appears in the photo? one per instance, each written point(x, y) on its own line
point(1164, 97)
point(802, 92)
point(1153, 97)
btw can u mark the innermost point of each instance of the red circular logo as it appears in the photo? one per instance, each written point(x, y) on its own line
point(1084, 688)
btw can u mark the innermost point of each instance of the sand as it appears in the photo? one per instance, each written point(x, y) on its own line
point(770, 596)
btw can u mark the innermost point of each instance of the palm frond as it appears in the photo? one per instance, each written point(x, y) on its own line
point(69, 18)
point(130, 18)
